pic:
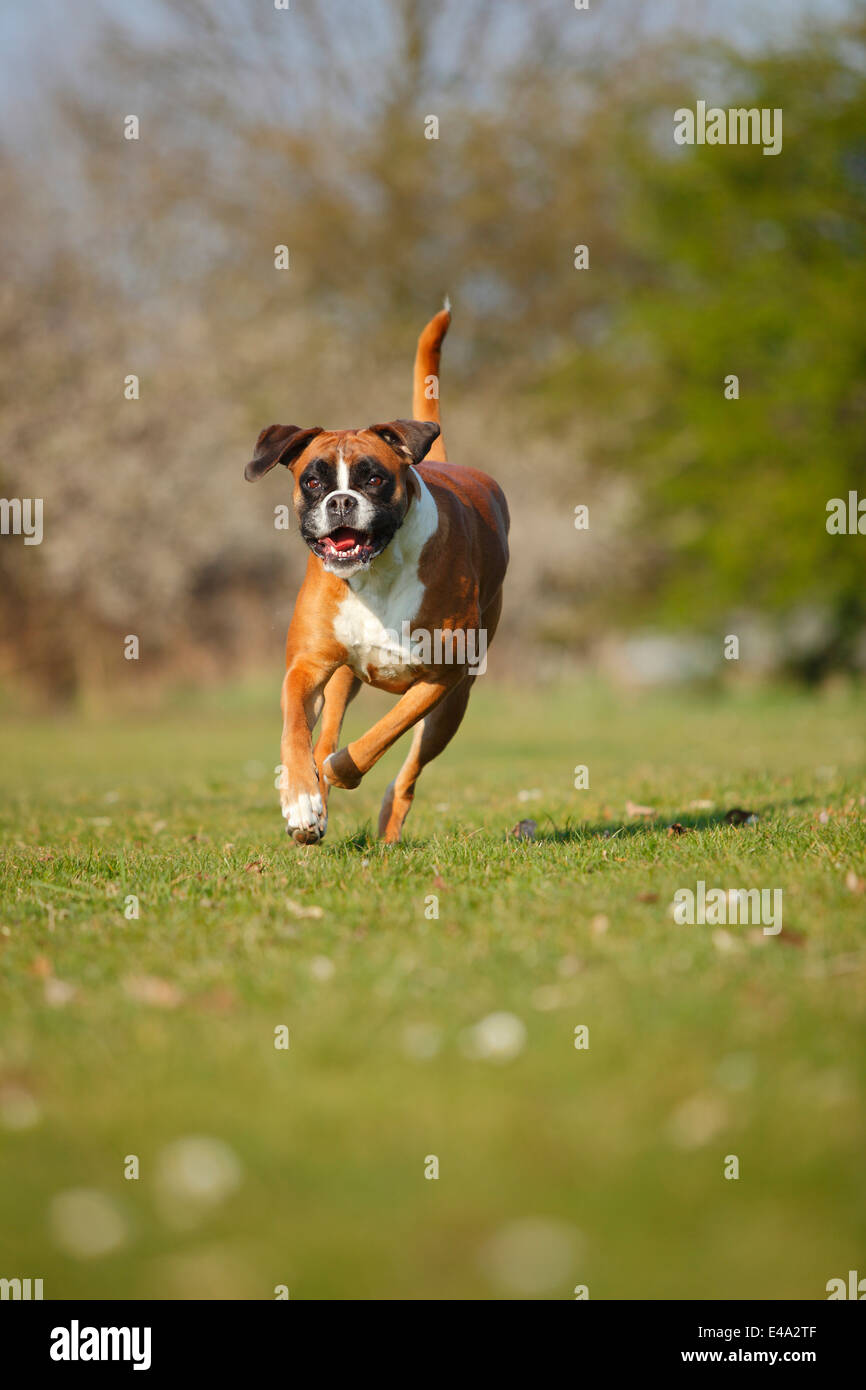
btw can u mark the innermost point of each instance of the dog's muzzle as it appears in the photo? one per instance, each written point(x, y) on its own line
point(341, 534)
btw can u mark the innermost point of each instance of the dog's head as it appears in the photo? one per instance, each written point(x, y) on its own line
point(352, 487)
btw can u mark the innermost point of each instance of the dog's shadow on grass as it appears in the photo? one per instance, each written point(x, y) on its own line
point(365, 839)
point(631, 829)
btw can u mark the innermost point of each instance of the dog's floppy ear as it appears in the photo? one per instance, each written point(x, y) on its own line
point(411, 438)
point(278, 444)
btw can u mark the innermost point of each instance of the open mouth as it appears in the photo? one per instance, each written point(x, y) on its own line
point(346, 544)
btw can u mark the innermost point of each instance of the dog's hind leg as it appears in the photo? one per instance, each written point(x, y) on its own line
point(339, 693)
point(431, 735)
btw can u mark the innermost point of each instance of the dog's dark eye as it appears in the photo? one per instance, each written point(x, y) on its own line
point(375, 481)
point(312, 484)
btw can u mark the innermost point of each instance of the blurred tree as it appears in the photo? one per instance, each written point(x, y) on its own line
point(306, 128)
point(738, 263)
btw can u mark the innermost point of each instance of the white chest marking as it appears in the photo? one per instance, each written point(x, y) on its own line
point(379, 600)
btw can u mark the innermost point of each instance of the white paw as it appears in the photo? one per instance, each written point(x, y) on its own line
point(306, 814)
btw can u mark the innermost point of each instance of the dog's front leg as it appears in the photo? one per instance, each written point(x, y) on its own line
point(346, 767)
point(301, 798)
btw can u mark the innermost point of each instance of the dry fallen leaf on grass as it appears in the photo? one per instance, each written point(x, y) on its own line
point(524, 829)
point(150, 989)
point(58, 992)
point(255, 866)
point(789, 937)
point(676, 829)
point(219, 1000)
point(853, 883)
point(299, 910)
point(633, 809)
point(737, 816)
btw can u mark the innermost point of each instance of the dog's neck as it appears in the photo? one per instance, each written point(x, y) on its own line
point(400, 557)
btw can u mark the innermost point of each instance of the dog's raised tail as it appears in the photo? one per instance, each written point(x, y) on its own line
point(425, 381)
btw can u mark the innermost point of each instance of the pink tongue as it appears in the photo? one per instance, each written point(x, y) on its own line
point(344, 538)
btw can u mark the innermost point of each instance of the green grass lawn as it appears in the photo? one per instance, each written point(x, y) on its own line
point(558, 1166)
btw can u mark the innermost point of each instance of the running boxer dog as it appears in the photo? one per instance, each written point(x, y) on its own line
point(403, 588)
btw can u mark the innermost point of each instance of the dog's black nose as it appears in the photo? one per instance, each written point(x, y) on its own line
point(340, 505)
